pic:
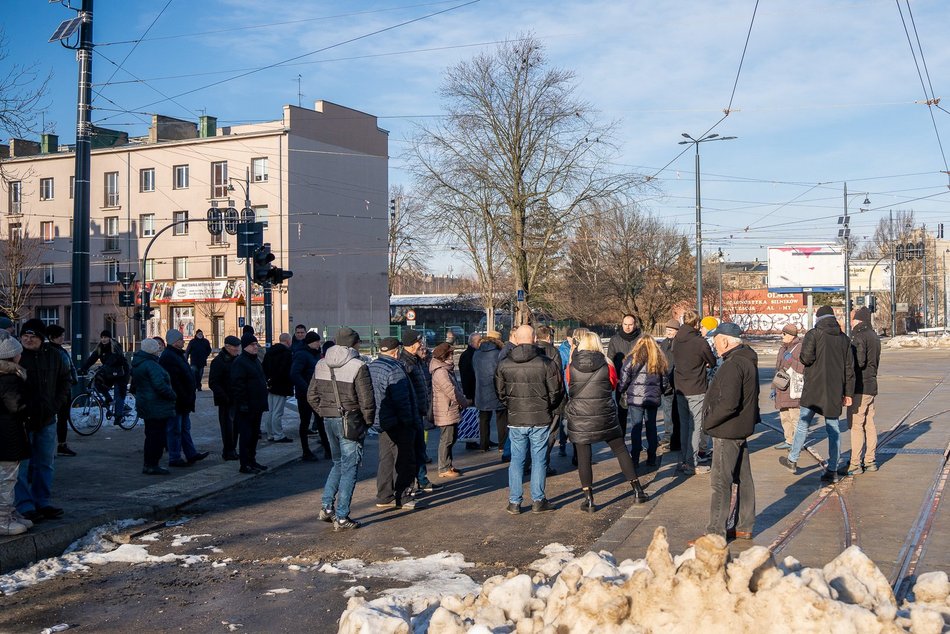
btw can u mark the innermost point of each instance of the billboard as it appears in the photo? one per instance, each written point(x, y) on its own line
point(875, 272)
point(796, 268)
point(758, 311)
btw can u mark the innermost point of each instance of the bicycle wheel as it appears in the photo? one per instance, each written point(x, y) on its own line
point(131, 417)
point(85, 414)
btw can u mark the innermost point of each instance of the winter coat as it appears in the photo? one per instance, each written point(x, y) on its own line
point(592, 410)
point(296, 345)
point(789, 356)
point(639, 387)
point(198, 351)
point(353, 382)
point(829, 368)
point(867, 356)
point(448, 401)
point(620, 346)
point(547, 349)
point(301, 370)
point(248, 384)
point(219, 378)
point(485, 362)
point(731, 407)
point(73, 374)
point(277, 362)
point(467, 372)
point(154, 395)
point(115, 367)
point(529, 386)
point(423, 366)
point(14, 444)
point(393, 395)
point(47, 385)
point(667, 347)
point(691, 359)
point(420, 391)
point(183, 379)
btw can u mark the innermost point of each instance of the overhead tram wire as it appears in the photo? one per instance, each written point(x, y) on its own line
point(171, 99)
point(314, 52)
point(132, 50)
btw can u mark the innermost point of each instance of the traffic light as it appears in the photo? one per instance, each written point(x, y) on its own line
point(278, 275)
point(262, 263)
point(899, 255)
point(871, 302)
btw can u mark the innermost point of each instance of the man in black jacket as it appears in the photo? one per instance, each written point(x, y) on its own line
point(619, 347)
point(412, 343)
point(730, 413)
point(219, 382)
point(671, 432)
point(198, 351)
point(277, 363)
point(545, 338)
point(181, 448)
point(249, 395)
point(114, 372)
point(529, 385)
point(866, 346)
point(301, 372)
point(829, 386)
point(466, 369)
point(691, 360)
point(46, 389)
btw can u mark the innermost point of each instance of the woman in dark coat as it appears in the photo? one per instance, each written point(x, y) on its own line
point(643, 380)
point(592, 415)
point(154, 401)
point(485, 362)
point(14, 445)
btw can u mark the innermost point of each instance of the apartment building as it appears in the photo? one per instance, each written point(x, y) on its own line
point(318, 179)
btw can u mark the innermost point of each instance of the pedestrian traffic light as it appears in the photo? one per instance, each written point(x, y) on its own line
point(262, 263)
point(148, 312)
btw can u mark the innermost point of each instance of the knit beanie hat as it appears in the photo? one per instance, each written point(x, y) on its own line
point(862, 314)
point(34, 327)
point(9, 346)
point(346, 337)
point(311, 337)
point(825, 311)
point(172, 336)
point(247, 339)
point(151, 346)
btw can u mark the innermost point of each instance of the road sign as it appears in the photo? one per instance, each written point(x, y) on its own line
point(250, 238)
point(241, 322)
point(126, 298)
point(520, 294)
point(410, 315)
point(126, 278)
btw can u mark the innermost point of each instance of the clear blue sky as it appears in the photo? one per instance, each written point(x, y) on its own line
point(826, 94)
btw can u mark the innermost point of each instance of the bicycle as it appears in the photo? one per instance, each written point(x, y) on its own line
point(90, 407)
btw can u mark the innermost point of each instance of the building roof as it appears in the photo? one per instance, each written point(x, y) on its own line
point(433, 301)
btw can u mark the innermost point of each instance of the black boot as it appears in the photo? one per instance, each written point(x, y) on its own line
point(640, 496)
point(588, 504)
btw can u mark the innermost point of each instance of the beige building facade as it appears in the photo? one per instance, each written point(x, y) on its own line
point(318, 178)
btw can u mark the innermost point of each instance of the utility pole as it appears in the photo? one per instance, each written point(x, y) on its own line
point(81, 192)
point(923, 271)
point(893, 276)
point(847, 266)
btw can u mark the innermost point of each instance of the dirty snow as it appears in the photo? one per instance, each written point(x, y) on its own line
point(62, 627)
point(941, 342)
point(151, 537)
point(275, 591)
point(711, 591)
point(181, 540)
point(93, 549)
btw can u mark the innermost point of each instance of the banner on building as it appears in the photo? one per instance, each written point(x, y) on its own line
point(759, 311)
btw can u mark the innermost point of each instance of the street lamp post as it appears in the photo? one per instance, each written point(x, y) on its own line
point(721, 259)
point(699, 216)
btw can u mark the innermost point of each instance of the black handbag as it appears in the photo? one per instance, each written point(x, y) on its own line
point(354, 428)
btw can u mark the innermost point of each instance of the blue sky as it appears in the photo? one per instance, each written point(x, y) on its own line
point(826, 94)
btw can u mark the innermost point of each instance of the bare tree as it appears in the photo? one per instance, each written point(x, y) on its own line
point(23, 90)
point(20, 256)
point(407, 249)
point(516, 135)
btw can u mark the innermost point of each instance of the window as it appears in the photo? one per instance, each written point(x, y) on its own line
point(219, 179)
point(183, 320)
point(16, 197)
point(46, 189)
point(49, 315)
point(180, 177)
point(261, 214)
point(181, 268)
point(219, 266)
point(112, 270)
point(111, 198)
point(147, 179)
point(147, 225)
point(259, 169)
point(16, 231)
point(149, 270)
point(217, 240)
point(182, 229)
point(72, 186)
point(47, 231)
point(49, 277)
point(112, 233)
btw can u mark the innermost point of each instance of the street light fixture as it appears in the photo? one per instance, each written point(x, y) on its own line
point(699, 215)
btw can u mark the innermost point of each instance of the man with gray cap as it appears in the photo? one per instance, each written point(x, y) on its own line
point(829, 386)
point(342, 386)
point(219, 382)
point(730, 413)
point(155, 402)
point(866, 346)
point(181, 448)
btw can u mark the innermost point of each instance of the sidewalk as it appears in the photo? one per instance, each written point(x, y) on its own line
point(105, 482)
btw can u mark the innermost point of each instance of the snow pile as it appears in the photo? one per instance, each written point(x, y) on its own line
point(941, 342)
point(93, 549)
point(703, 590)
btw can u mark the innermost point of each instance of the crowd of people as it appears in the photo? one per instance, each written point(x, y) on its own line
point(702, 377)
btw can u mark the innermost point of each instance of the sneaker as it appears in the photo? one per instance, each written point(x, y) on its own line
point(63, 450)
point(451, 473)
point(326, 514)
point(249, 469)
point(830, 476)
point(703, 469)
point(156, 470)
point(686, 469)
point(18, 517)
point(513, 508)
point(285, 439)
point(201, 455)
point(428, 486)
point(392, 504)
point(10, 526)
point(788, 464)
point(850, 470)
point(344, 524)
point(704, 457)
point(784, 446)
point(870, 467)
point(408, 502)
point(541, 506)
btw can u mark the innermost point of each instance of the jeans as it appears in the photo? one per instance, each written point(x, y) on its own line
point(347, 455)
point(523, 440)
point(118, 403)
point(447, 436)
point(8, 480)
point(274, 416)
point(832, 426)
point(730, 464)
point(179, 438)
point(199, 372)
point(637, 416)
point(690, 409)
point(397, 463)
point(666, 405)
point(248, 426)
point(34, 484)
point(155, 439)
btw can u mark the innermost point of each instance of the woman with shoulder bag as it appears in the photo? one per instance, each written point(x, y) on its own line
point(448, 401)
point(789, 358)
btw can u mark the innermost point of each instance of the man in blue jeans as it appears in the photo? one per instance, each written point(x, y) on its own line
point(529, 385)
point(181, 449)
point(829, 386)
point(341, 384)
